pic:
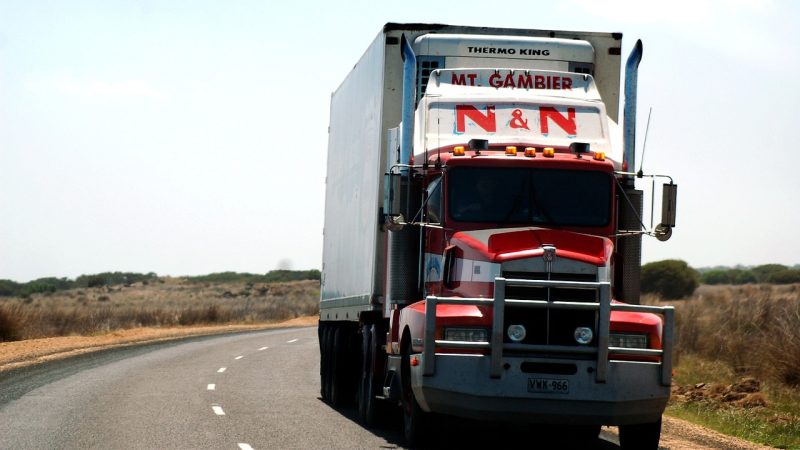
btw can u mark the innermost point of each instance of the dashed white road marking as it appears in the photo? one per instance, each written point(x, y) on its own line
point(244, 446)
point(239, 357)
point(263, 348)
point(293, 340)
point(218, 410)
point(221, 369)
point(212, 387)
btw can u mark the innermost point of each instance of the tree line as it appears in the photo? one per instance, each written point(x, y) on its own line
point(9, 288)
point(674, 279)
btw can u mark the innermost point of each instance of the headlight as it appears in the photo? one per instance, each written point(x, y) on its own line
point(516, 333)
point(583, 335)
point(466, 334)
point(628, 340)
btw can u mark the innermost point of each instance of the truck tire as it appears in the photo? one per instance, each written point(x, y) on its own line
point(370, 409)
point(640, 435)
point(366, 392)
point(415, 421)
point(339, 366)
point(321, 337)
point(327, 361)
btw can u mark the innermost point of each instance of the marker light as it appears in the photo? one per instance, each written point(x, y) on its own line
point(511, 151)
point(516, 333)
point(600, 156)
point(548, 152)
point(530, 152)
point(583, 335)
point(458, 150)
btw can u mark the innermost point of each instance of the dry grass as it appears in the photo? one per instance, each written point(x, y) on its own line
point(754, 329)
point(733, 335)
point(169, 303)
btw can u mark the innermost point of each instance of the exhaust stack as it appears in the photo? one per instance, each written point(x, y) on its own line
point(629, 111)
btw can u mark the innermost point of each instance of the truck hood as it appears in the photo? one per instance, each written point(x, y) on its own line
point(508, 244)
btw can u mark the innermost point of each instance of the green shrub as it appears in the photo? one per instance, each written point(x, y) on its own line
point(763, 272)
point(9, 288)
point(786, 276)
point(728, 276)
point(671, 279)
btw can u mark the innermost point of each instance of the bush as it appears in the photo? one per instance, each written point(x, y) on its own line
point(763, 272)
point(728, 276)
point(671, 279)
point(786, 276)
point(8, 288)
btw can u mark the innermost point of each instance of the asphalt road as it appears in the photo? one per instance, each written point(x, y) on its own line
point(255, 390)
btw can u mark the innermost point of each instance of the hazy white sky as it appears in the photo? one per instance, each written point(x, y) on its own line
point(190, 137)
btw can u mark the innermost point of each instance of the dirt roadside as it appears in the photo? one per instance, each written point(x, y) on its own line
point(676, 433)
point(33, 351)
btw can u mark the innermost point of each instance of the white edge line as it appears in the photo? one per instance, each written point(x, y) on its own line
point(218, 410)
point(244, 446)
point(221, 369)
point(239, 357)
point(293, 340)
point(212, 387)
point(263, 348)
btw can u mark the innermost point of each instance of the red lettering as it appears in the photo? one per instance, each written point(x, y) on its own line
point(509, 80)
point(459, 79)
point(525, 81)
point(487, 122)
point(494, 80)
point(539, 82)
point(472, 77)
point(566, 83)
point(565, 123)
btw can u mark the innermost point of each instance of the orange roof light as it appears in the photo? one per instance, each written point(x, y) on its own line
point(549, 152)
point(599, 156)
point(511, 151)
point(530, 152)
point(458, 150)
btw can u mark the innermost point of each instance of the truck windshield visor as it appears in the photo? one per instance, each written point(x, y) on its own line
point(529, 196)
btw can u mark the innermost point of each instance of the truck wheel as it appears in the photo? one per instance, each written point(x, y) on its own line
point(366, 394)
point(338, 367)
point(327, 363)
point(640, 435)
point(323, 360)
point(321, 337)
point(415, 426)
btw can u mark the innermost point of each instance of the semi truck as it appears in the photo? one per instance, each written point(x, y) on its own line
point(483, 234)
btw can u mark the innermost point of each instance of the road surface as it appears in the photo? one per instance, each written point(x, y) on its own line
point(255, 390)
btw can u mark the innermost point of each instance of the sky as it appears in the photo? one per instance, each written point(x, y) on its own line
point(187, 138)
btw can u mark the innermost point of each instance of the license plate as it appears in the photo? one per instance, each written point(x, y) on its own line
point(548, 385)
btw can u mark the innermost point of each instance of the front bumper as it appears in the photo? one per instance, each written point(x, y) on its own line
point(462, 387)
point(601, 390)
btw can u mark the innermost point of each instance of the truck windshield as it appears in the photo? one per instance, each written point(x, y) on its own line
point(529, 196)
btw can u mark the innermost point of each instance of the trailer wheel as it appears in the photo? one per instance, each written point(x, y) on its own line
point(366, 386)
point(640, 435)
point(338, 366)
point(415, 420)
point(327, 363)
point(321, 336)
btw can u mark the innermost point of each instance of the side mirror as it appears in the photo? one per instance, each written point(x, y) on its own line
point(669, 196)
point(392, 184)
point(392, 212)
